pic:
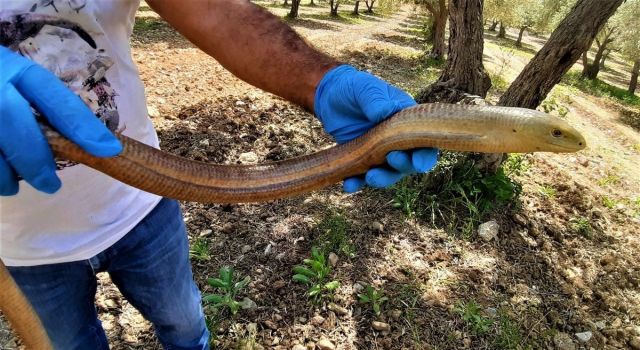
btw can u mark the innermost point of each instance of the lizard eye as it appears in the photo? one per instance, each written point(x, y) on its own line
point(556, 133)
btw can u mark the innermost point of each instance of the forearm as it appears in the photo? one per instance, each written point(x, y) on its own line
point(253, 44)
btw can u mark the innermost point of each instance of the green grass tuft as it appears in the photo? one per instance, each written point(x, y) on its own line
point(600, 88)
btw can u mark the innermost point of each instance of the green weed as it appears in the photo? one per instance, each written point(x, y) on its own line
point(508, 335)
point(229, 287)
point(498, 83)
point(406, 198)
point(547, 191)
point(374, 297)
point(609, 203)
point(610, 179)
point(550, 104)
point(314, 274)
point(599, 88)
point(582, 226)
point(334, 235)
point(200, 250)
point(516, 164)
point(471, 314)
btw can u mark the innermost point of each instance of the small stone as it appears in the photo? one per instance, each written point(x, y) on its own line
point(204, 143)
point(248, 158)
point(491, 311)
point(325, 344)
point(584, 161)
point(617, 323)
point(267, 249)
point(240, 103)
point(278, 284)
point(302, 320)
point(338, 309)
point(377, 226)
point(311, 346)
point(466, 342)
point(110, 303)
point(153, 111)
point(584, 337)
point(245, 249)
point(248, 304)
point(488, 230)
point(380, 326)
point(634, 343)
point(227, 228)
point(395, 314)
point(299, 347)
point(333, 259)
point(205, 233)
point(357, 287)
point(277, 317)
point(600, 325)
point(317, 320)
point(563, 341)
point(270, 324)
point(280, 256)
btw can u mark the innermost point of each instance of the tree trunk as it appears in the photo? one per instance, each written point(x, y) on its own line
point(369, 6)
point(355, 8)
point(464, 72)
point(633, 83)
point(295, 5)
point(286, 3)
point(438, 28)
point(503, 31)
point(604, 58)
point(572, 37)
point(312, 3)
point(334, 7)
point(494, 24)
point(585, 59)
point(590, 71)
point(519, 41)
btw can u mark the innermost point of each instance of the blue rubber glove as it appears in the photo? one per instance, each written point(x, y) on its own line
point(349, 102)
point(23, 149)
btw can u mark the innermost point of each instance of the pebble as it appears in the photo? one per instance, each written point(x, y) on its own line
point(248, 304)
point(245, 249)
point(205, 233)
point(267, 250)
point(491, 311)
point(357, 287)
point(488, 230)
point(278, 284)
point(563, 341)
point(617, 323)
point(380, 326)
point(634, 343)
point(333, 259)
point(466, 342)
point(299, 347)
point(325, 344)
point(277, 317)
point(227, 228)
point(338, 309)
point(153, 111)
point(248, 158)
point(584, 337)
point(317, 320)
point(395, 314)
point(601, 325)
point(240, 103)
point(204, 143)
point(110, 303)
point(271, 324)
point(377, 226)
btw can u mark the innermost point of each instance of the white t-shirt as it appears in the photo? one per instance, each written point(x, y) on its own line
point(86, 44)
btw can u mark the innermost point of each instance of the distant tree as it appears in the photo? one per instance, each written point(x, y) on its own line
point(628, 40)
point(295, 5)
point(438, 10)
point(564, 47)
point(464, 72)
point(603, 40)
point(355, 8)
point(333, 4)
point(369, 4)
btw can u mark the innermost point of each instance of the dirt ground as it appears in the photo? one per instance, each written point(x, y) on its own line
point(543, 282)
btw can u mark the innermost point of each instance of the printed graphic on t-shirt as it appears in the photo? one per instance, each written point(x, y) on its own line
point(66, 49)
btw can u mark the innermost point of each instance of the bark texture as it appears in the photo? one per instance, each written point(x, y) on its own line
point(633, 83)
point(464, 72)
point(439, 13)
point(572, 37)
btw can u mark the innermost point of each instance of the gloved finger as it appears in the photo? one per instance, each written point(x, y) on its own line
point(382, 100)
point(424, 159)
point(66, 112)
point(8, 179)
point(353, 184)
point(381, 177)
point(401, 161)
point(23, 144)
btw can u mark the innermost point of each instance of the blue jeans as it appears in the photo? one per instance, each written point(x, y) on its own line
point(150, 266)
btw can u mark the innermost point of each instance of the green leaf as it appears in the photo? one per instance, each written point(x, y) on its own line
point(363, 298)
point(217, 283)
point(302, 279)
point(242, 284)
point(226, 274)
point(304, 271)
point(333, 285)
point(376, 309)
point(315, 290)
point(213, 299)
point(234, 306)
point(317, 266)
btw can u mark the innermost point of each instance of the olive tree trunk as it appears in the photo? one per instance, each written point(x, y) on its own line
point(494, 24)
point(503, 31)
point(355, 8)
point(439, 13)
point(295, 5)
point(369, 4)
point(572, 37)
point(519, 41)
point(464, 73)
point(334, 7)
point(590, 71)
point(633, 83)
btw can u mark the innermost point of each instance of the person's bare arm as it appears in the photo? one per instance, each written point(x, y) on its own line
point(253, 44)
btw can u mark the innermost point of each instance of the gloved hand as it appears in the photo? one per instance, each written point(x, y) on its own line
point(23, 149)
point(349, 102)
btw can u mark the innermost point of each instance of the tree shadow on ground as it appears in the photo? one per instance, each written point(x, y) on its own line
point(154, 30)
point(402, 40)
point(510, 41)
point(309, 24)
